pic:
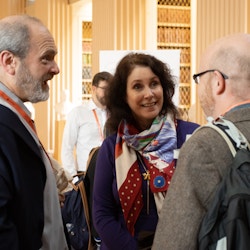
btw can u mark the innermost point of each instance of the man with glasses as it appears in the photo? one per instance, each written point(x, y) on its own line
point(224, 90)
point(84, 127)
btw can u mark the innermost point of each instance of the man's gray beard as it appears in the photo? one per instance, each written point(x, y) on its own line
point(30, 88)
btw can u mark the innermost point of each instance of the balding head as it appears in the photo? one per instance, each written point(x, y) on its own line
point(15, 33)
point(227, 82)
point(231, 55)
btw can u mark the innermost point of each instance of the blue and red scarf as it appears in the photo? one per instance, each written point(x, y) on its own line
point(155, 146)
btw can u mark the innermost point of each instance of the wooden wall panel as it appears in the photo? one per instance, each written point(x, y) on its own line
point(215, 18)
point(11, 7)
point(117, 25)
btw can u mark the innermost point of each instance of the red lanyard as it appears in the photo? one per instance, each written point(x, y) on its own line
point(25, 116)
point(18, 109)
point(98, 124)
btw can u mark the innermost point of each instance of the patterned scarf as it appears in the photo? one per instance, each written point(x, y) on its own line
point(155, 146)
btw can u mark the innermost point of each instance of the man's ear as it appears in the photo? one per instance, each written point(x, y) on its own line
point(220, 83)
point(8, 62)
point(93, 89)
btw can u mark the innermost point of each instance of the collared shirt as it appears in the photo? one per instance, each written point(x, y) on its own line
point(82, 132)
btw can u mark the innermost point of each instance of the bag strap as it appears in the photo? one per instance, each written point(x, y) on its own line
point(233, 132)
point(86, 208)
point(85, 204)
point(229, 130)
point(222, 133)
point(92, 152)
point(80, 185)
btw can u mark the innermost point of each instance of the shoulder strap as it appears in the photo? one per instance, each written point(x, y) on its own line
point(233, 132)
point(229, 130)
point(219, 130)
point(84, 197)
point(86, 208)
point(92, 152)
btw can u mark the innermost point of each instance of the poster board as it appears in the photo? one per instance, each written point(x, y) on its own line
point(108, 60)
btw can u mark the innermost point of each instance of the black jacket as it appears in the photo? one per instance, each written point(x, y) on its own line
point(22, 181)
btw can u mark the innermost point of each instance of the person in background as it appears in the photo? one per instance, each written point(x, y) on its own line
point(84, 127)
point(136, 162)
point(224, 90)
point(28, 190)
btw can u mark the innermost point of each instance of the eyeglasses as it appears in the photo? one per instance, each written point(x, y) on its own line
point(196, 77)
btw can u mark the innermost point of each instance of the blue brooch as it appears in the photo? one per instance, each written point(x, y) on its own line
point(159, 181)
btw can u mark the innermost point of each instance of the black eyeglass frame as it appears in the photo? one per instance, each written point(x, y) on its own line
point(195, 76)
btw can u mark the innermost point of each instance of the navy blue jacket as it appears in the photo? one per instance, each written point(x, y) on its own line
point(22, 181)
point(107, 213)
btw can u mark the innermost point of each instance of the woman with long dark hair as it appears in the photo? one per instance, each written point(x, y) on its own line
point(136, 162)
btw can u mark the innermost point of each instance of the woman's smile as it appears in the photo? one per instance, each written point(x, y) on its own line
point(144, 95)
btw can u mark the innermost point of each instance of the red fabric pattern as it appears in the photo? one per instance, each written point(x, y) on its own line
point(131, 197)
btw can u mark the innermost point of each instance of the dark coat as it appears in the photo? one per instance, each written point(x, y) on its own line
point(22, 181)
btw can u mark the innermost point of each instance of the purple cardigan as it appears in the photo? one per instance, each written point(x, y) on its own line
point(107, 214)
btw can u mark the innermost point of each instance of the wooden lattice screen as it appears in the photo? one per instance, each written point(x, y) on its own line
point(174, 33)
point(86, 59)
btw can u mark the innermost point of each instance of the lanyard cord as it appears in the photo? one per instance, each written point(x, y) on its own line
point(98, 124)
point(26, 118)
point(146, 176)
point(19, 110)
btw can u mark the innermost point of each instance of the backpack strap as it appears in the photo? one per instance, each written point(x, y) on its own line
point(222, 133)
point(234, 133)
point(86, 209)
point(229, 131)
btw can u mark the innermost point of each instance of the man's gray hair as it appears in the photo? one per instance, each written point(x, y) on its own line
point(15, 34)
